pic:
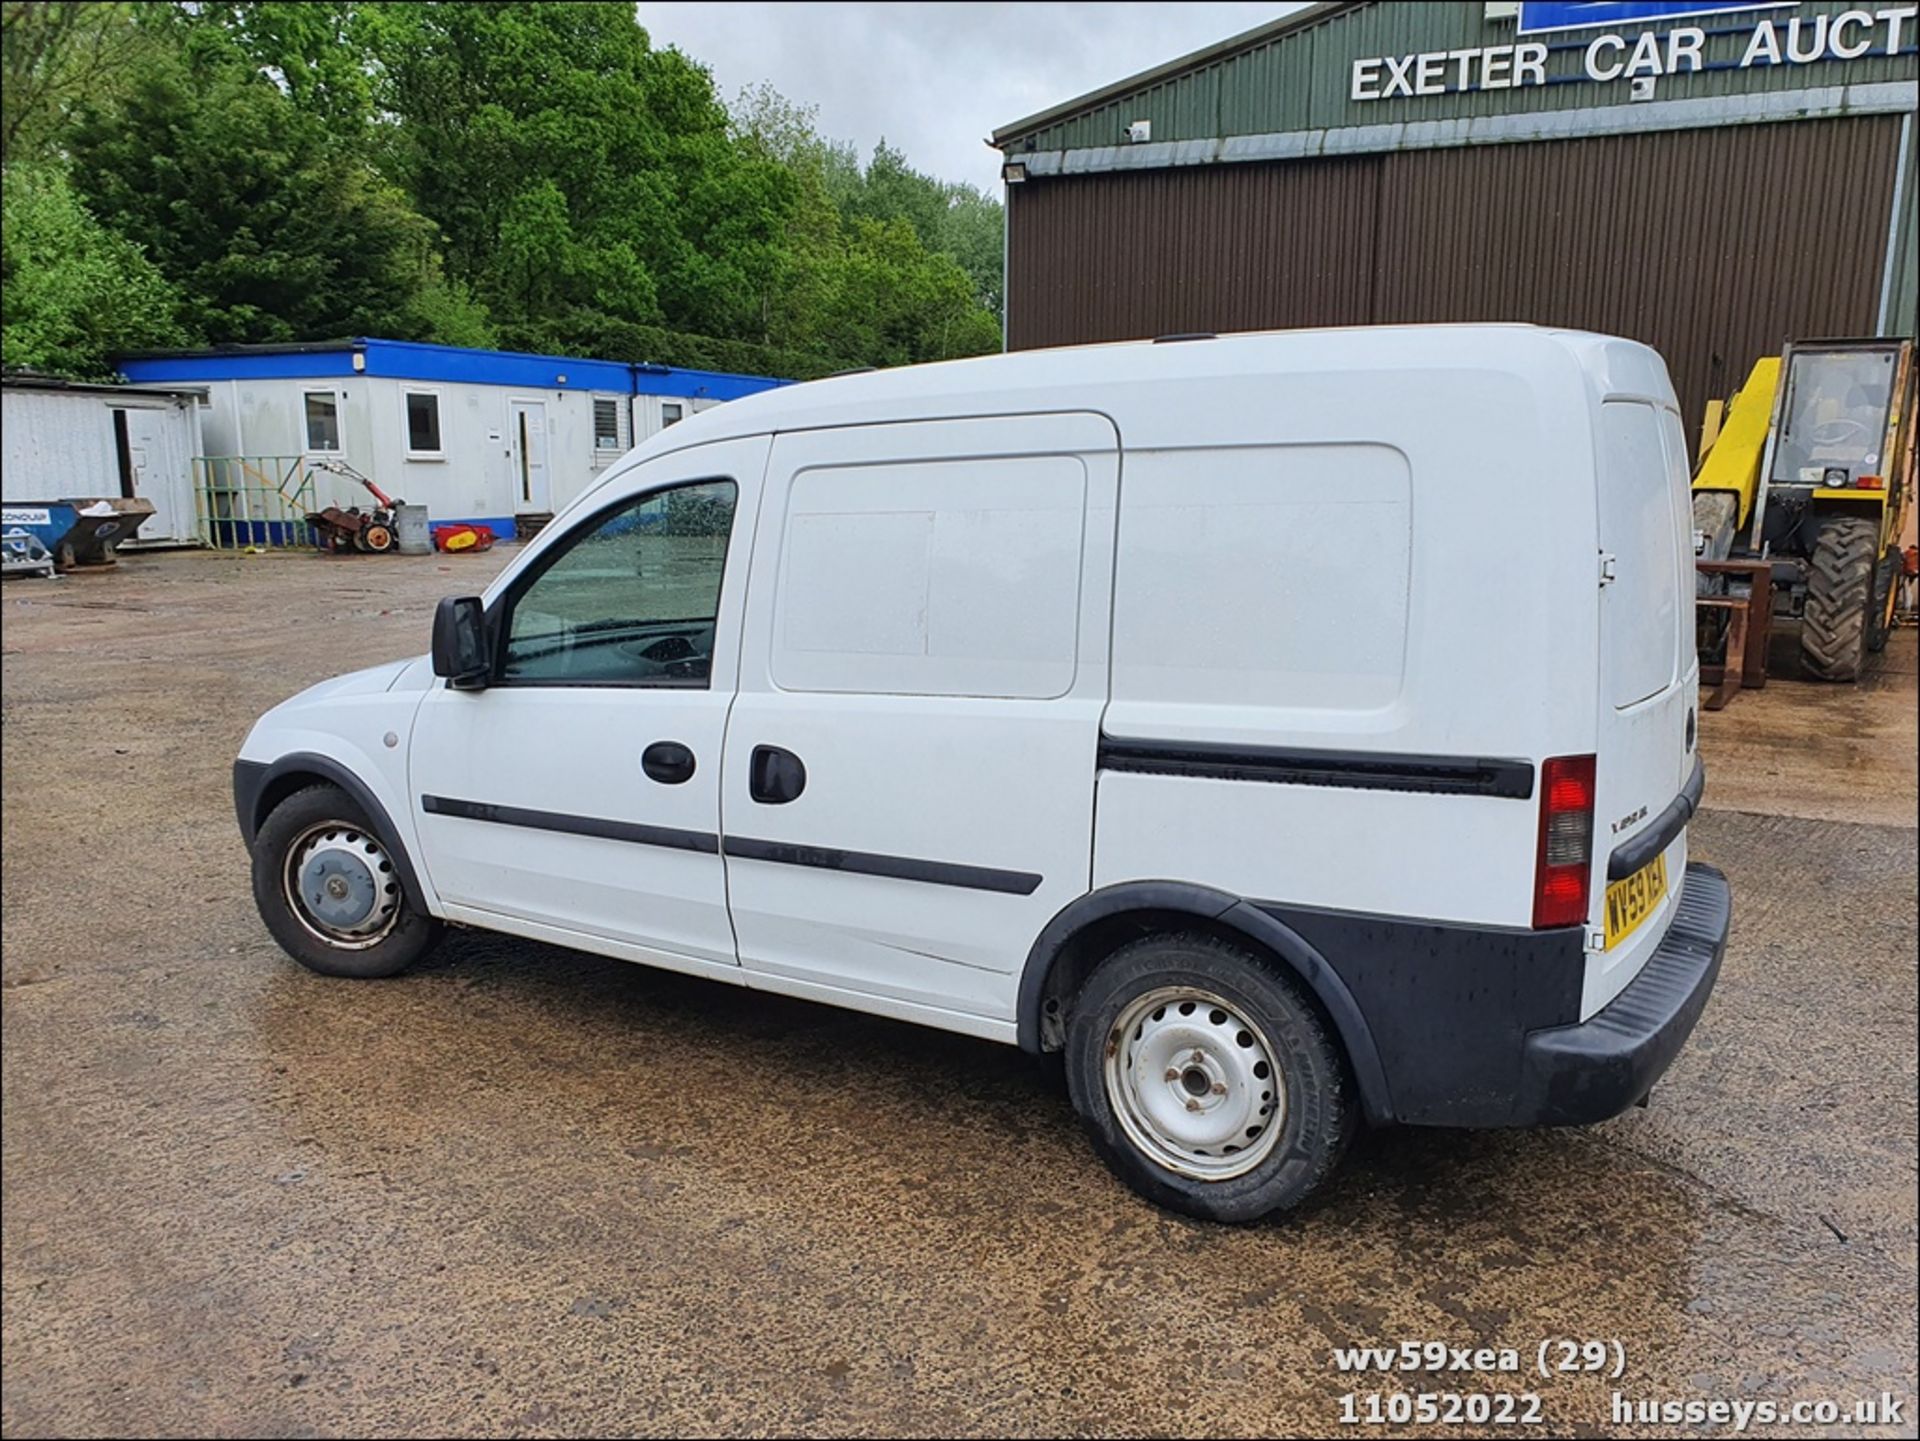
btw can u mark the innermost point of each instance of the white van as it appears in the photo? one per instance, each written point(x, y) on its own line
point(1296, 730)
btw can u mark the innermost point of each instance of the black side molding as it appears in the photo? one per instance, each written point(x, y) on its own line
point(1632, 854)
point(866, 863)
point(669, 836)
point(900, 868)
point(1355, 770)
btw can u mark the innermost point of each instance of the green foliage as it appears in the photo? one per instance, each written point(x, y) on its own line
point(531, 175)
point(591, 334)
point(54, 54)
point(270, 225)
point(76, 293)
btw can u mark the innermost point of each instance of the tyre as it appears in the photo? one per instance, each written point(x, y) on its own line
point(1833, 630)
point(1885, 583)
point(1207, 1081)
point(329, 892)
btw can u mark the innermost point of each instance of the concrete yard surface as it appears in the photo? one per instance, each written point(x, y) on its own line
point(526, 1191)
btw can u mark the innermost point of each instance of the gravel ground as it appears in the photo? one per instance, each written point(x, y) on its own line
point(528, 1191)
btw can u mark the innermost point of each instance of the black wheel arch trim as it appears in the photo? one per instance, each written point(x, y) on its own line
point(1221, 908)
point(254, 780)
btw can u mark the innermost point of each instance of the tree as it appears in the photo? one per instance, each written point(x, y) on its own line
point(76, 292)
point(271, 226)
point(53, 55)
point(529, 174)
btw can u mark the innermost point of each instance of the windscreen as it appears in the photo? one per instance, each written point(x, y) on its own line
point(1835, 416)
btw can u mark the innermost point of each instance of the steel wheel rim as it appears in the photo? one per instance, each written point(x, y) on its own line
point(340, 885)
point(1194, 1083)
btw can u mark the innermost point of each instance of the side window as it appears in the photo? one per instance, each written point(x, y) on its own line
point(671, 413)
point(1236, 583)
point(607, 439)
point(423, 425)
point(630, 599)
point(954, 578)
point(323, 420)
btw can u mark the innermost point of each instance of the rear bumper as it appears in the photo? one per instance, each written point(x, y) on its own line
point(1576, 1075)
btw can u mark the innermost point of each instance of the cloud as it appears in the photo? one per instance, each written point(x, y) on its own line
point(936, 79)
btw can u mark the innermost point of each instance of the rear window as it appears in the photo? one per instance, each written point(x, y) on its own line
point(1640, 528)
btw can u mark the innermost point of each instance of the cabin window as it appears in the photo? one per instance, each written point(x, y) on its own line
point(423, 425)
point(608, 440)
point(323, 420)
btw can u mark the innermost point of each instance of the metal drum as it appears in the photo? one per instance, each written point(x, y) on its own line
point(411, 530)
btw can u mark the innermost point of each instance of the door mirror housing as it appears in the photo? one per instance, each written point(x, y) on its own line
point(460, 652)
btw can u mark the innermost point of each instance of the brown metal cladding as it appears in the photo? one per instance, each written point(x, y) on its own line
point(1711, 245)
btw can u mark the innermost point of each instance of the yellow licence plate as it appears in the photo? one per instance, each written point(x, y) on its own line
point(1631, 901)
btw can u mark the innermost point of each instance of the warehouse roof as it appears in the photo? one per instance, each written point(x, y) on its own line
point(1342, 79)
point(1220, 50)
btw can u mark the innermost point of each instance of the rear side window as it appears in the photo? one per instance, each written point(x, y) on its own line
point(1270, 576)
point(958, 578)
point(1640, 528)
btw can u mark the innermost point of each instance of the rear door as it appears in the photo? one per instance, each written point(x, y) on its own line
point(1649, 675)
point(908, 788)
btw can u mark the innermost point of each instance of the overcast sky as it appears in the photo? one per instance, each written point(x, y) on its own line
point(936, 79)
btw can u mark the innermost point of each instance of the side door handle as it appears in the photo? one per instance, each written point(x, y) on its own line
point(667, 762)
point(775, 776)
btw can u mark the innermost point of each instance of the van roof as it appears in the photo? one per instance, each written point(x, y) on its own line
point(1117, 377)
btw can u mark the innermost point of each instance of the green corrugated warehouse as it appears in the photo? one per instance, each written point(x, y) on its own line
point(1710, 178)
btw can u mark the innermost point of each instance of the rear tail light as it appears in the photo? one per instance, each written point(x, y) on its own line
point(1872, 482)
point(1563, 871)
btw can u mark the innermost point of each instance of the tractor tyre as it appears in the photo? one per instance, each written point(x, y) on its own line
point(1840, 599)
point(1885, 582)
point(379, 538)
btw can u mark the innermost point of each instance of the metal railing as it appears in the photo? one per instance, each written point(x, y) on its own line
point(243, 501)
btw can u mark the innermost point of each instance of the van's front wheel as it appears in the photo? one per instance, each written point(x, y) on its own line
point(1206, 1080)
point(329, 892)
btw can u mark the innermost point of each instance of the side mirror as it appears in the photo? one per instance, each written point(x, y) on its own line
point(460, 642)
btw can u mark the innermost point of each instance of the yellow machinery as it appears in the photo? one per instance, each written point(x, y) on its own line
point(1813, 469)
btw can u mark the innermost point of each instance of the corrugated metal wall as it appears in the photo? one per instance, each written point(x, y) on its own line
point(57, 443)
point(1710, 245)
point(1229, 247)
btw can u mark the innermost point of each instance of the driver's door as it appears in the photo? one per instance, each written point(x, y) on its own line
point(576, 797)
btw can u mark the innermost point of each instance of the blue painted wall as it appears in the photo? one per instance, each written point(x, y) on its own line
point(412, 360)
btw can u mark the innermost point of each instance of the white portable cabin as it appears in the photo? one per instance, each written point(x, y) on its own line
point(496, 438)
point(72, 440)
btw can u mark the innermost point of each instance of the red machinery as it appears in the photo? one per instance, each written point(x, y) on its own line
point(353, 528)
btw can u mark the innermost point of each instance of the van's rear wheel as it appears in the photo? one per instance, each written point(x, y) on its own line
point(329, 892)
point(1206, 1080)
point(1834, 629)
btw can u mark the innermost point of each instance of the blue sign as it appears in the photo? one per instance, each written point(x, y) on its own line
point(1538, 15)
